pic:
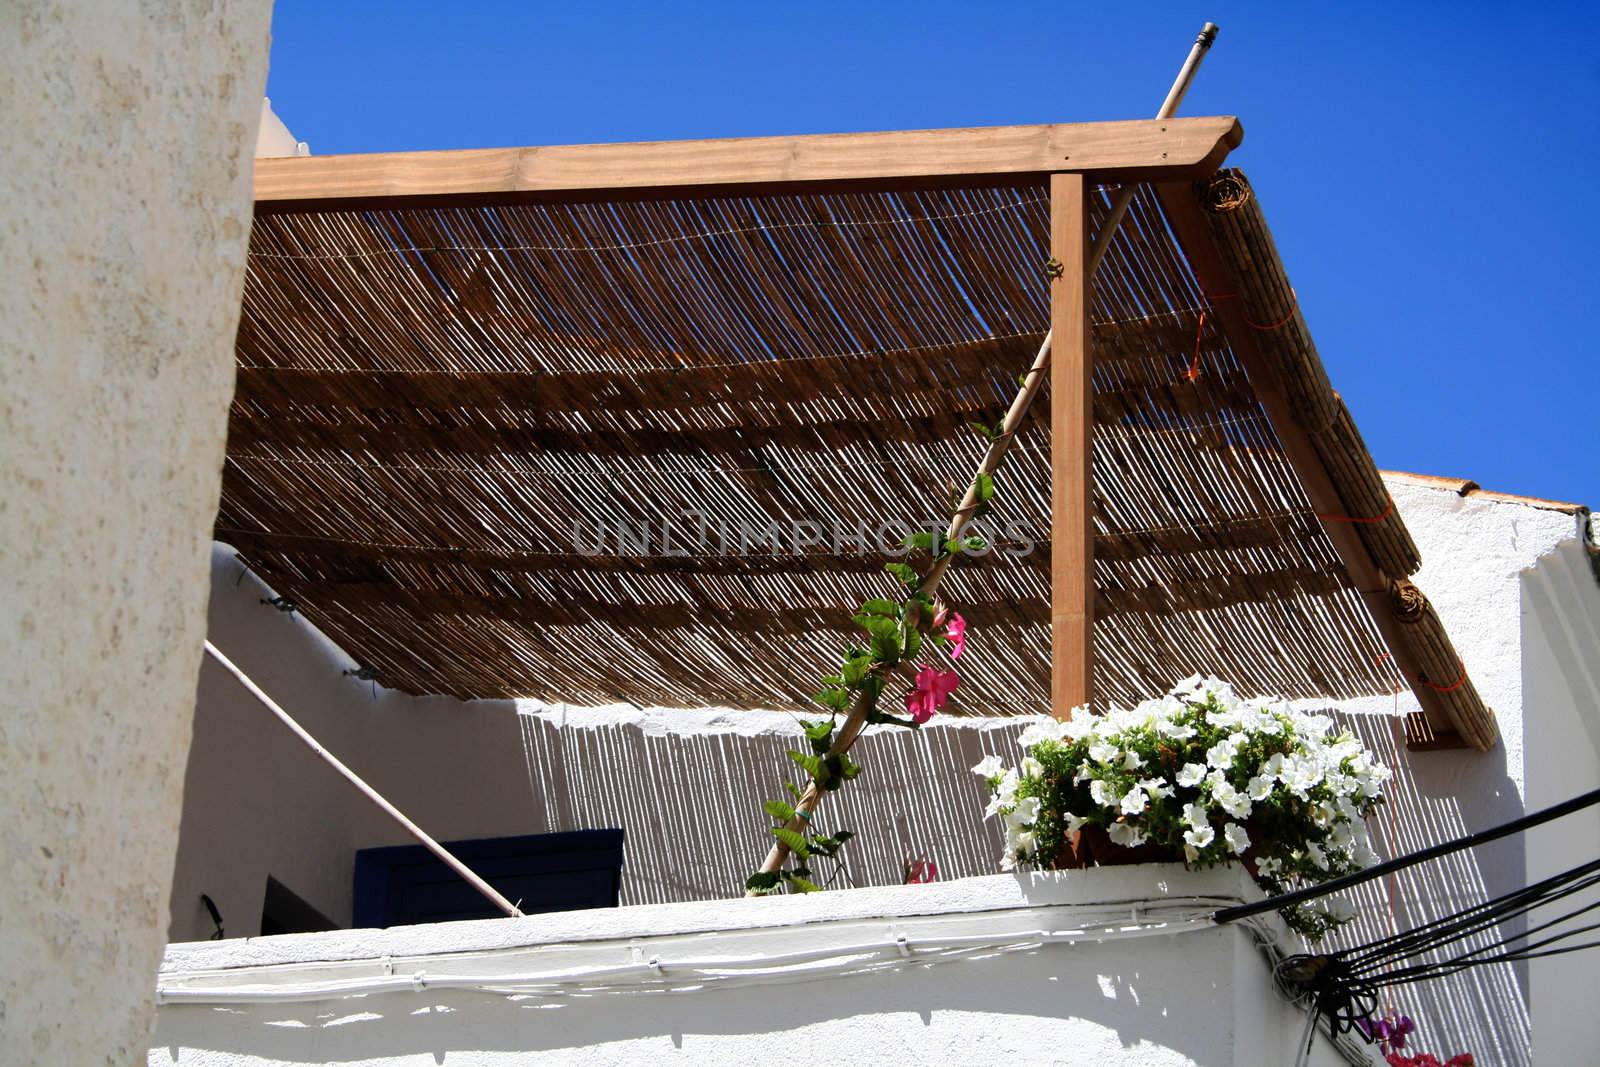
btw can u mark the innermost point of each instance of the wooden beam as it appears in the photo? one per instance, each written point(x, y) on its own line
point(1071, 439)
point(1184, 215)
point(1112, 151)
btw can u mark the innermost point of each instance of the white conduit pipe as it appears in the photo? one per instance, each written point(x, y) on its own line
point(656, 974)
point(372, 794)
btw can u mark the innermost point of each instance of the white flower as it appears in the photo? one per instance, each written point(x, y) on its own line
point(1258, 788)
point(1221, 754)
point(1078, 727)
point(1176, 731)
point(1031, 768)
point(1190, 686)
point(1273, 768)
point(1155, 787)
point(1340, 910)
point(1126, 835)
point(1318, 857)
point(1299, 775)
point(1024, 814)
point(1101, 793)
point(1019, 841)
point(1232, 801)
point(989, 767)
point(1074, 822)
point(1135, 802)
point(1131, 761)
point(1102, 751)
point(1237, 839)
point(1199, 837)
point(1196, 815)
point(1042, 730)
point(1268, 866)
point(1191, 775)
point(1322, 816)
point(1005, 793)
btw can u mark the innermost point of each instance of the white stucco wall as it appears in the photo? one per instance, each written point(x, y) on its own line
point(687, 786)
point(1099, 990)
point(1561, 679)
point(125, 203)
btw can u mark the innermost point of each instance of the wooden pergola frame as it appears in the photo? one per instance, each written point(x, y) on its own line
point(1167, 153)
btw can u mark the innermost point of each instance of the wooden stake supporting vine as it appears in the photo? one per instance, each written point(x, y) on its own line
point(896, 632)
point(897, 629)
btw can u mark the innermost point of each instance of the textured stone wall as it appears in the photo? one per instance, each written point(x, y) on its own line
point(125, 133)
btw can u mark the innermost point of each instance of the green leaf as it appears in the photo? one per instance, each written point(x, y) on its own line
point(976, 544)
point(779, 810)
point(801, 885)
point(913, 643)
point(986, 432)
point(832, 697)
point(793, 789)
point(810, 764)
point(876, 625)
point(884, 718)
point(795, 841)
point(856, 668)
point(906, 573)
point(922, 539)
point(985, 487)
point(842, 836)
point(848, 769)
point(762, 881)
point(819, 730)
point(879, 606)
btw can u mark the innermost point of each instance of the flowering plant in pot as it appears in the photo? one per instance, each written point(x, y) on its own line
point(1199, 776)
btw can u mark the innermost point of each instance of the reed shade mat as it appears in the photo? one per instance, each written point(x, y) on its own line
point(1442, 669)
point(443, 412)
point(1270, 304)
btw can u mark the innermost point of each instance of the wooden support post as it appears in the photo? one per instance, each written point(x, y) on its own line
point(1071, 439)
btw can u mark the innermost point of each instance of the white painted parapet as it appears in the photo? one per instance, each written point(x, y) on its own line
point(1109, 966)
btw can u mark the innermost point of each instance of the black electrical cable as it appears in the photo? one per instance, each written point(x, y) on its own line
point(1300, 896)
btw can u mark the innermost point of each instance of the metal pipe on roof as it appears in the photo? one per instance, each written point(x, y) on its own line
point(489, 892)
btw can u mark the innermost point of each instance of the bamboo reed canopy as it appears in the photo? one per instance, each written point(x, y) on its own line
point(447, 407)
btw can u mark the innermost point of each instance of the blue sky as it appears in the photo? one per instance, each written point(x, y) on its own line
point(1424, 166)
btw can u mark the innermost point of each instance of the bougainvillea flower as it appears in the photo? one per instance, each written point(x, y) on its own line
point(932, 689)
point(956, 630)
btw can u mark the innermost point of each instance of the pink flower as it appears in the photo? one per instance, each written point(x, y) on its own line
point(921, 871)
point(932, 689)
point(956, 631)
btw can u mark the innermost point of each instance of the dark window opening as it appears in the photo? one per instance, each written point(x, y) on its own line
point(407, 884)
point(284, 912)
